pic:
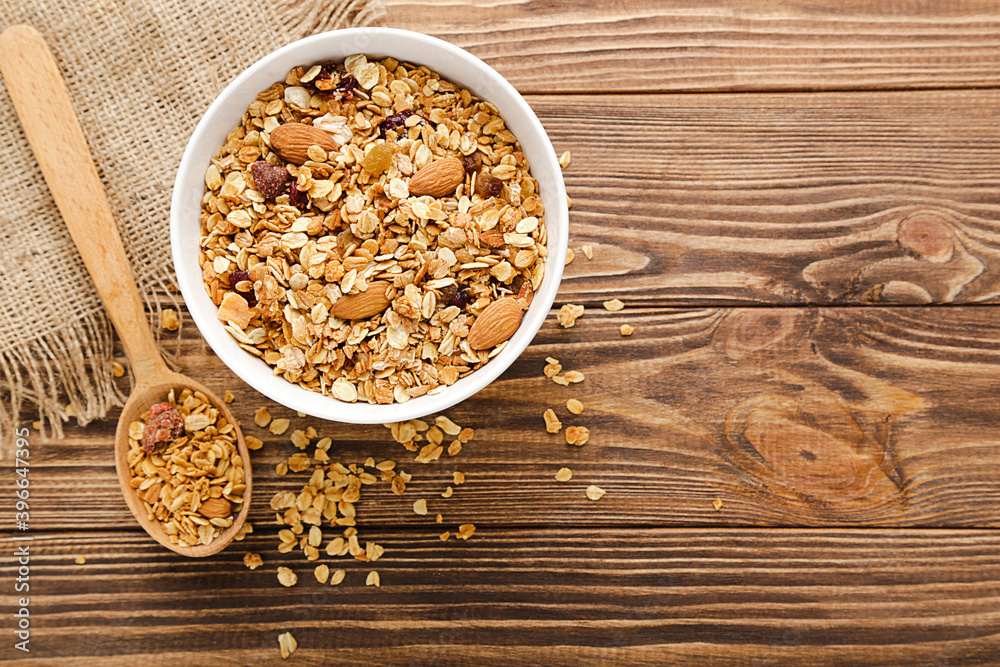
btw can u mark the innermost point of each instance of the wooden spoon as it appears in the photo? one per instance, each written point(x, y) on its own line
point(48, 119)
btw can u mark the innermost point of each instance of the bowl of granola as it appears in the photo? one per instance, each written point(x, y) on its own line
point(369, 225)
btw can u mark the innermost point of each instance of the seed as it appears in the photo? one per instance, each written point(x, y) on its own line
point(574, 406)
point(338, 576)
point(595, 492)
point(564, 475)
point(454, 448)
point(286, 577)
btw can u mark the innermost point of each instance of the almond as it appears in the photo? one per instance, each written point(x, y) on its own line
point(363, 304)
point(497, 323)
point(439, 178)
point(292, 140)
point(215, 508)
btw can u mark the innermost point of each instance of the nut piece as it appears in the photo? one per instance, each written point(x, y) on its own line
point(363, 304)
point(215, 508)
point(496, 324)
point(292, 141)
point(439, 178)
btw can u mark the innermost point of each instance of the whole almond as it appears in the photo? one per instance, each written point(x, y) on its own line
point(215, 508)
point(497, 323)
point(363, 304)
point(439, 178)
point(292, 140)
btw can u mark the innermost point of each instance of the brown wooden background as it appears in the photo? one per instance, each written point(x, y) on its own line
point(798, 202)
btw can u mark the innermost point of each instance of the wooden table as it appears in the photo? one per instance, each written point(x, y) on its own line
point(798, 204)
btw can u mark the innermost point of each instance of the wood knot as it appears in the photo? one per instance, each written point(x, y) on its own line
point(761, 330)
point(927, 235)
point(810, 445)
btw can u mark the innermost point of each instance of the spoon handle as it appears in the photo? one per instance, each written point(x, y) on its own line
point(42, 103)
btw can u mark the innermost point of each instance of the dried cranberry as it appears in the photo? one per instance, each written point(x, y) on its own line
point(394, 122)
point(296, 197)
point(269, 179)
point(235, 278)
point(461, 298)
point(164, 425)
point(473, 163)
point(346, 86)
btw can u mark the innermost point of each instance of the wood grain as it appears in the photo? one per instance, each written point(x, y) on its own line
point(511, 596)
point(874, 417)
point(680, 45)
point(862, 198)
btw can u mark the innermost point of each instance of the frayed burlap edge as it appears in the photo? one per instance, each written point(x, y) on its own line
point(67, 373)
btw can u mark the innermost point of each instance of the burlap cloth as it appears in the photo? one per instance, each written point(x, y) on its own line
point(140, 74)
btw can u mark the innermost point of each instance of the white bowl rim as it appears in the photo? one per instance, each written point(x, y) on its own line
point(248, 368)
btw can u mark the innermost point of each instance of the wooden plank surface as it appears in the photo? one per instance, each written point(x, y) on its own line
point(792, 417)
point(509, 596)
point(833, 198)
point(837, 172)
point(685, 45)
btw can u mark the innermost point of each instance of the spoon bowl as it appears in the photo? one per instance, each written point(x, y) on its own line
point(50, 124)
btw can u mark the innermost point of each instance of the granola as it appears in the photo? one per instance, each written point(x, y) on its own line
point(360, 219)
point(193, 486)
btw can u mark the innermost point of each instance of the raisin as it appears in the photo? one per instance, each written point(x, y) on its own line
point(378, 159)
point(461, 298)
point(235, 278)
point(473, 163)
point(269, 179)
point(296, 197)
point(164, 425)
point(488, 186)
point(394, 122)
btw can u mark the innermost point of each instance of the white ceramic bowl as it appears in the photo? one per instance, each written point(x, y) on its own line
point(224, 114)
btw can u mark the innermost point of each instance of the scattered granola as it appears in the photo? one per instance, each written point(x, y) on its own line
point(169, 320)
point(447, 493)
point(613, 305)
point(574, 406)
point(262, 418)
point(577, 435)
point(569, 314)
point(595, 492)
point(373, 579)
point(588, 251)
point(717, 504)
point(361, 220)
point(564, 475)
point(192, 484)
point(253, 560)
point(570, 256)
point(287, 644)
point(573, 376)
point(81, 560)
point(420, 507)
point(565, 159)
point(458, 478)
point(286, 577)
point(322, 573)
point(465, 531)
point(552, 423)
point(117, 370)
point(444, 536)
point(278, 426)
point(626, 330)
point(337, 577)
point(229, 398)
point(243, 532)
